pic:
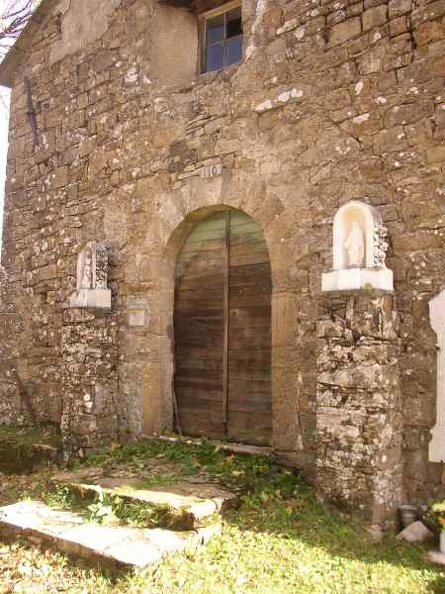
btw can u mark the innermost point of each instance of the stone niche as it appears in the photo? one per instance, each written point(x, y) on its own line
point(436, 450)
point(359, 250)
point(92, 272)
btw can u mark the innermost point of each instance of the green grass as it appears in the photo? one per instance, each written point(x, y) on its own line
point(234, 470)
point(279, 541)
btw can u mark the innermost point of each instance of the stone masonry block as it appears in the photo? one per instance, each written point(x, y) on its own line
point(398, 7)
point(429, 32)
point(428, 12)
point(374, 17)
point(436, 154)
point(408, 114)
point(398, 26)
point(344, 31)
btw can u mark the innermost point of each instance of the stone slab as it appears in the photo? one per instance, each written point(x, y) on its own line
point(94, 298)
point(120, 546)
point(415, 532)
point(351, 279)
point(194, 503)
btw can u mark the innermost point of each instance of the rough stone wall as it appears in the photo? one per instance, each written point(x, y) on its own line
point(89, 381)
point(334, 101)
point(359, 408)
point(10, 326)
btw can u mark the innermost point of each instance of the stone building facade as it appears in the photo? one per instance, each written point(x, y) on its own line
point(118, 137)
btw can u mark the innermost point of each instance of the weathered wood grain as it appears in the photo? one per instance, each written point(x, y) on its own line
point(223, 331)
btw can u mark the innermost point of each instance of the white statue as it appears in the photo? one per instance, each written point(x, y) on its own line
point(86, 269)
point(355, 246)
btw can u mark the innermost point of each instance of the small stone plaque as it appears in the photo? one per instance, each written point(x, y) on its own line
point(211, 170)
point(137, 314)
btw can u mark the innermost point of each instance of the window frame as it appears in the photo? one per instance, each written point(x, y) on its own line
point(203, 18)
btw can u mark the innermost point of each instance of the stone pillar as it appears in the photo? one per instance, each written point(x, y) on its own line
point(90, 384)
point(358, 418)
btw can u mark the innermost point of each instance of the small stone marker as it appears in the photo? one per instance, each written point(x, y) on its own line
point(137, 314)
point(415, 532)
point(211, 170)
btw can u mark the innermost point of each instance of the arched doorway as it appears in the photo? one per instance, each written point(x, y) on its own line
point(222, 329)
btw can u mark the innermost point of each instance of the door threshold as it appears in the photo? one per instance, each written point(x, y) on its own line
point(231, 447)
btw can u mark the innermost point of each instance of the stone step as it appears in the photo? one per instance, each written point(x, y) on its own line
point(120, 547)
point(180, 506)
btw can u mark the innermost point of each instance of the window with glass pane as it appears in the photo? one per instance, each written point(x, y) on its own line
point(223, 40)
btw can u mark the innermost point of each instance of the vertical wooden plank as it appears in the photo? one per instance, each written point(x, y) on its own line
point(199, 329)
point(250, 385)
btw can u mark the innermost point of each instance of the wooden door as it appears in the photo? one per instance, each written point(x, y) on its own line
point(223, 332)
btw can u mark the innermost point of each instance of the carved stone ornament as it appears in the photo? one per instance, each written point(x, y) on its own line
point(359, 250)
point(92, 273)
point(380, 245)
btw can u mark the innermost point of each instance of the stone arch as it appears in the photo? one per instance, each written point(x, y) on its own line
point(146, 366)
